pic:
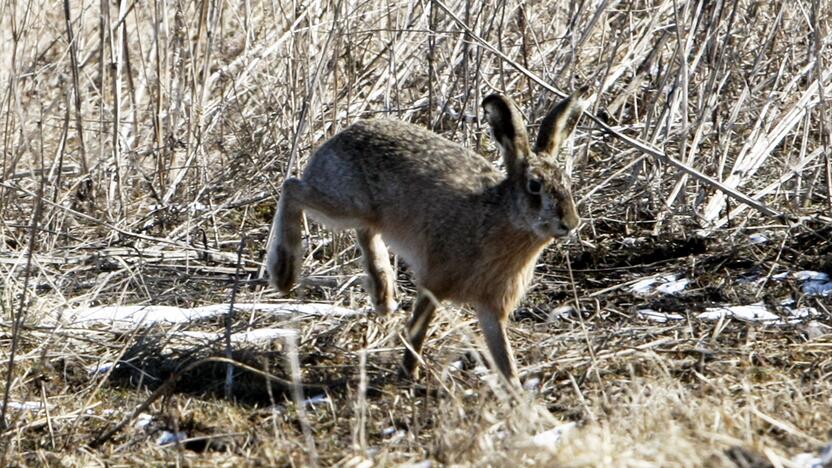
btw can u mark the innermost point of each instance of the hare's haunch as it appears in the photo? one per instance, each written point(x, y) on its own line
point(469, 233)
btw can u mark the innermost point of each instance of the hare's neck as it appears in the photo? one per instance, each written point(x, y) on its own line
point(512, 254)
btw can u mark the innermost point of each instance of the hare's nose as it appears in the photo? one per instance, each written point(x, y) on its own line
point(569, 220)
point(569, 223)
point(561, 229)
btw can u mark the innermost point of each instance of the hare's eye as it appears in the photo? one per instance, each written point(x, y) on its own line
point(534, 186)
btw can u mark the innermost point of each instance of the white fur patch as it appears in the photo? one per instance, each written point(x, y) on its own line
point(335, 224)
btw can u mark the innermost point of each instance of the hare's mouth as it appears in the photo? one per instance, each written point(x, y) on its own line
point(552, 229)
point(560, 233)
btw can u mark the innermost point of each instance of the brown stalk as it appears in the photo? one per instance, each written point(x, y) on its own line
point(18, 317)
point(73, 57)
point(643, 147)
point(158, 131)
point(825, 129)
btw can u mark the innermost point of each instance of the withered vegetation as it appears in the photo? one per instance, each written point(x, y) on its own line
point(144, 144)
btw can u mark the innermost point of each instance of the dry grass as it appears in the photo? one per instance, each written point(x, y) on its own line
point(144, 141)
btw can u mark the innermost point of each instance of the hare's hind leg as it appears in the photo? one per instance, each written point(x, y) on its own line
point(493, 325)
point(380, 276)
point(283, 262)
point(417, 328)
point(335, 207)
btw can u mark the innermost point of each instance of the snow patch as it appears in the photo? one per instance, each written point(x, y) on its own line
point(167, 437)
point(551, 437)
point(316, 400)
point(808, 275)
point(673, 287)
point(758, 238)
point(815, 283)
point(133, 315)
point(143, 420)
point(393, 433)
point(562, 312)
point(100, 368)
point(662, 284)
point(310, 402)
point(759, 312)
point(28, 405)
point(421, 464)
point(810, 460)
point(749, 313)
point(531, 384)
point(656, 316)
point(256, 336)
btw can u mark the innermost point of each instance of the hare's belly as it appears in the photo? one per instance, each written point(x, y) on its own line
point(336, 223)
point(409, 249)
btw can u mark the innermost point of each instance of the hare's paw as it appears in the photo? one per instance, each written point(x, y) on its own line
point(386, 307)
point(408, 370)
point(284, 269)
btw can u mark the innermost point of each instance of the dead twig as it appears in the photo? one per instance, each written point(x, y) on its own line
point(632, 142)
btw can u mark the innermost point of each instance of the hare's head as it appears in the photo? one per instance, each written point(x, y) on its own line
point(541, 190)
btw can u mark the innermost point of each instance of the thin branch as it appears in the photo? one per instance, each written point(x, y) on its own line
point(632, 142)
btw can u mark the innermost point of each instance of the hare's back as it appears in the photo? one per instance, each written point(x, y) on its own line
point(391, 151)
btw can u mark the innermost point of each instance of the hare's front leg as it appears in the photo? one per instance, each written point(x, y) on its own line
point(493, 324)
point(284, 258)
point(380, 276)
point(417, 328)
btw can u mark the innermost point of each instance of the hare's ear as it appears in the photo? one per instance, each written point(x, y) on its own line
point(509, 132)
point(560, 122)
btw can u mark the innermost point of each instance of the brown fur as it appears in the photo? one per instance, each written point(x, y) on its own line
point(469, 233)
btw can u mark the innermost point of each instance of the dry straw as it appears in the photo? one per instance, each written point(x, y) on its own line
point(142, 140)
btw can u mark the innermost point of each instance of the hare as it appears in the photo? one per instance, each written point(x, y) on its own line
point(469, 233)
